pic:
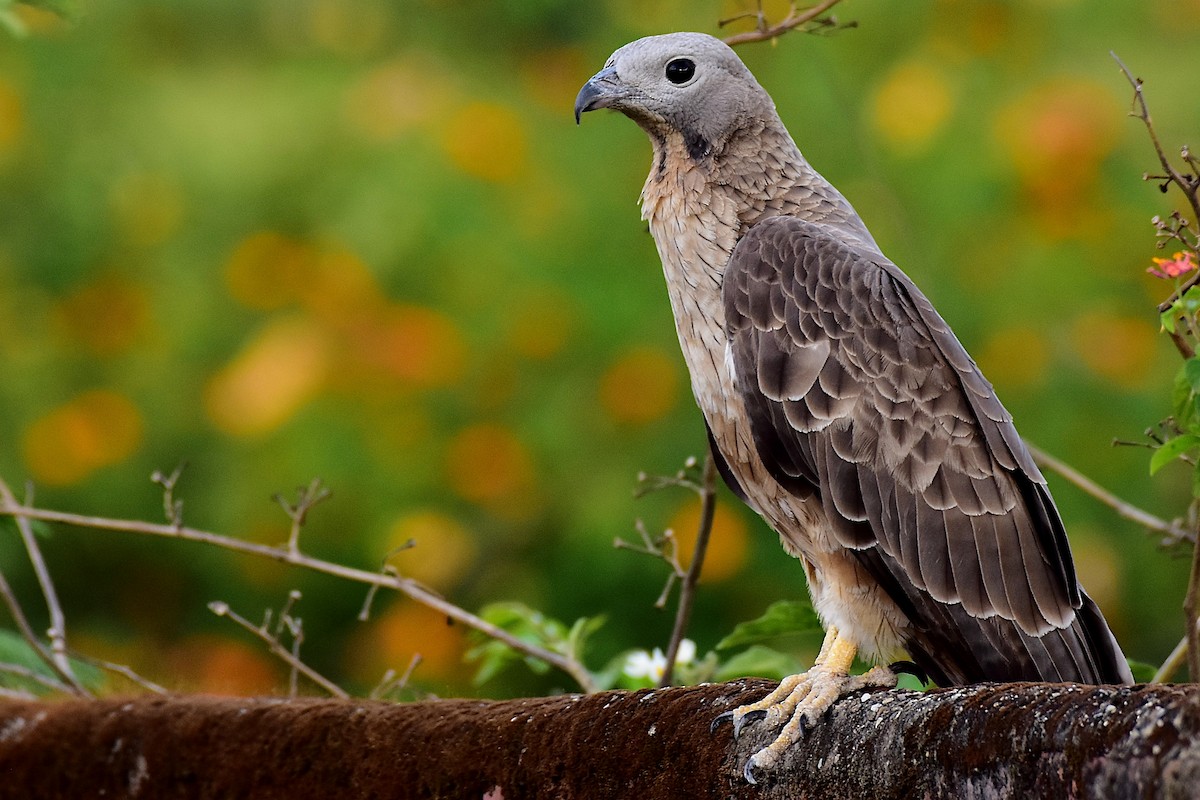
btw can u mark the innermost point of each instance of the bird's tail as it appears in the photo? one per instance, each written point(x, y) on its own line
point(971, 650)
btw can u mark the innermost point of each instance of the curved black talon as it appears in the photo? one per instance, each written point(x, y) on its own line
point(749, 716)
point(910, 668)
point(748, 772)
point(719, 720)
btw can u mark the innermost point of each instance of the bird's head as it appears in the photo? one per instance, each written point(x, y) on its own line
point(691, 84)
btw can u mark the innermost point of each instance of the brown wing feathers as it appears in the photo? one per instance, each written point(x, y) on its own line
point(857, 390)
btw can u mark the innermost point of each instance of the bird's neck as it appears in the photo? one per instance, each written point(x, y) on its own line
point(757, 173)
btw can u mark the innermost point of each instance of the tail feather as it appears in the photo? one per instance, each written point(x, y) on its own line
point(956, 648)
point(970, 650)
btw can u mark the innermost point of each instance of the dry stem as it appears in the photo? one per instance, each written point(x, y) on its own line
point(708, 504)
point(297, 558)
point(290, 657)
point(764, 31)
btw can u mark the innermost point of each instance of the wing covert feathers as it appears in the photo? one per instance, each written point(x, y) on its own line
point(859, 392)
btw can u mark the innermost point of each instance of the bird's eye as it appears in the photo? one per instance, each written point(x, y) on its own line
point(680, 70)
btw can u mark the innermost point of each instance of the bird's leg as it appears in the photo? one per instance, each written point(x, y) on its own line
point(802, 699)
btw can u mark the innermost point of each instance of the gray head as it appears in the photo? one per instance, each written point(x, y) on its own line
point(691, 84)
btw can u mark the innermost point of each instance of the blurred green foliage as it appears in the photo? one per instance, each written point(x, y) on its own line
point(364, 240)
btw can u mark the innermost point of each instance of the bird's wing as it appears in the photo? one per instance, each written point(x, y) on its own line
point(858, 390)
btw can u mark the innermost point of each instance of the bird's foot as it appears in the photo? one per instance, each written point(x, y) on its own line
point(798, 702)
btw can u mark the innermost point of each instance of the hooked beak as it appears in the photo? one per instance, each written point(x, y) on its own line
point(600, 92)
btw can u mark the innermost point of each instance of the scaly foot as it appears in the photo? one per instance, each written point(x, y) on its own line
point(801, 700)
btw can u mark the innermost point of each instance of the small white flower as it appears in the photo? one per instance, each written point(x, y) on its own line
point(641, 664)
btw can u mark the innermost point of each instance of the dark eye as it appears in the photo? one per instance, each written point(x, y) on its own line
point(680, 70)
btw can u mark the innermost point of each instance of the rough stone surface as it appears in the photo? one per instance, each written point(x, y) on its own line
point(986, 741)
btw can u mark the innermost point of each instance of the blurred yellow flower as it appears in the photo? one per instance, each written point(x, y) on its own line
point(107, 315)
point(1015, 357)
point(418, 345)
point(911, 105)
point(553, 77)
point(267, 270)
point(406, 629)
point(640, 387)
point(1120, 349)
point(541, 323)
point(487, 463)
point(486, 140)
point(396, 97)
point(727, 545)
point(96, 429)
point(442, 552)
point(220, 665)
point(1056, 135)
point(273, 376)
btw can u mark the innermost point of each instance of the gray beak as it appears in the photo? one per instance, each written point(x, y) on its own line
point(600, 92)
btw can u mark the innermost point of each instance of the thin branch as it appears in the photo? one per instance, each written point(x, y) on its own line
point(22, 671)
point(405, 586)
point(1188, 184)
point(306, 498)
point(58, 623)
point(1173, 662)
point(390, 683)
point(172, 507)
point(763, 31)
point(120, 669)
point(277, 648)
point(1191, 610)
point(1124, 509)
point(708, 505)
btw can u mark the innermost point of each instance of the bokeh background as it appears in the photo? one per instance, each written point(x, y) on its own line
point(364, 240)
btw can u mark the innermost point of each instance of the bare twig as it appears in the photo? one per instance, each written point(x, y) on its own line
point(172, 507)
point(1191, 610)
point(120, 669)
point(22, 671)
point(665, 547)
point(284, 555)
point(57, 632)
point(306, 498)
point(1189, 184)
point(764, 31)
point(277, 648)
point(708, 504)
point(387, 569)
point(390, 683)
point(27, 633)
point(1174, 532)
point(1173, 662)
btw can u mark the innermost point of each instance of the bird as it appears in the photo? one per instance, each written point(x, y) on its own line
point(842, 408)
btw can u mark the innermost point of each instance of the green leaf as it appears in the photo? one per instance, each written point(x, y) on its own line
point(583, 628)
point(1171, 450)
point(1191, 371)
point(758, 661)
point(782, 618)
point(15, 650)
point(528, 625)
point(1167, 319)
point(1142, 672)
